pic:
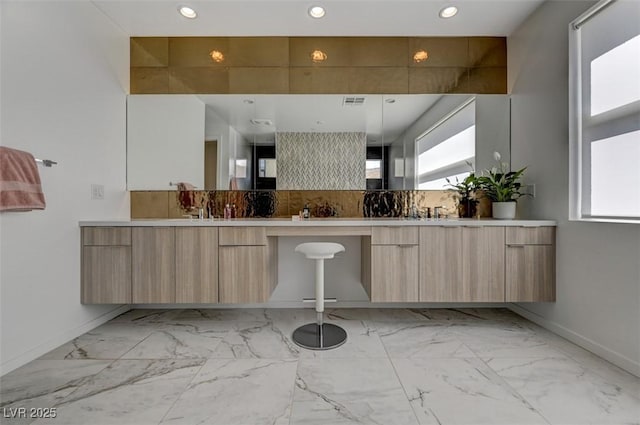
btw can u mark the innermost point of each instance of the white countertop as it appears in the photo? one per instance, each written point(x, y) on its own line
point(319, 222)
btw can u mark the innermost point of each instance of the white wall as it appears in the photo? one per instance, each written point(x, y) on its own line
point(64, 78)
point(165, 141)
point(598, 267)
point(216, 128)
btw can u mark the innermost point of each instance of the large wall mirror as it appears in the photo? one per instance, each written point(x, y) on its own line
point(312, 142)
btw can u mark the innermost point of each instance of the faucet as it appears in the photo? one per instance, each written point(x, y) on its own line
point(436, 211)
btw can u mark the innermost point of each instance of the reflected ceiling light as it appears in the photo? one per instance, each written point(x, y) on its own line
point(448, 12)
point(316, 12)
point(187, 12)
point(318, 56)
point(216, 56)
point(420, 56)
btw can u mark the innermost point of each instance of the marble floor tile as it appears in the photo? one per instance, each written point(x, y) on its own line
point(127, 392)
point(109, 341)
point(461, 391)
point(349, 391)
point(489, 340)
point(420, 339)
point(237, 392)
point(147, 316)
point(362, 342)
point(178, 342)
point(399, 366)
point(261, 340)
point(245, 315)
point(43, 384)
point(565, 392)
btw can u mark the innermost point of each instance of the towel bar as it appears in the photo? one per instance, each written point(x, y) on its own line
point(46, 162)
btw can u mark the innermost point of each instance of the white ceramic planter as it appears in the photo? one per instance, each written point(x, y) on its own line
point(504, 210)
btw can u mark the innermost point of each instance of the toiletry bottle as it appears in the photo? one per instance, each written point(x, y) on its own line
point(233, 211)
point(227, 211)
point(305, 211)
point(414, 211)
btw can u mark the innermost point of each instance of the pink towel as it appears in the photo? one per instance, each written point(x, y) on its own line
point(20, 188)
point(186, 197)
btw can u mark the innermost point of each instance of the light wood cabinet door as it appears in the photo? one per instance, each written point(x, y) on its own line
point(106, 275)
point(483, 264)
point(530, 273)
point(106, 236)
point(462, 264)
point(394, 273)
point(196, 265)
point(153, 263)
point(247, 274)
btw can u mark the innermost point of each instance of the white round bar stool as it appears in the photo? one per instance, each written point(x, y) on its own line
point(319, 335)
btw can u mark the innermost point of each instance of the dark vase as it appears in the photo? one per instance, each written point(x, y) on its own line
point(467, 208)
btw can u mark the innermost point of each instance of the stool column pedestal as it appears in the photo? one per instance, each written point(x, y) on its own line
point(319, 335)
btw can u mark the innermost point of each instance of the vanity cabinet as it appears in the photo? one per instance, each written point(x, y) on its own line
point(462, 264)
point(393, 264)
point(196, 265)
point(530, 264)
point(153, 276)
point(247, 265)
point(106, 265)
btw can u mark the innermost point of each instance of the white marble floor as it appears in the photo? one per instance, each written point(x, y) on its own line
point(398, 366)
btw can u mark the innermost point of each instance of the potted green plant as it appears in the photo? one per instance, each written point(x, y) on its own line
point(466, 194)
point(502, 187)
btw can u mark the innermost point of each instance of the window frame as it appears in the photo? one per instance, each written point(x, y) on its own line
point(579, 147)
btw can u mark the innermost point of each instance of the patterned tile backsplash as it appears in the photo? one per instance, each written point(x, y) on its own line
point(285, 203)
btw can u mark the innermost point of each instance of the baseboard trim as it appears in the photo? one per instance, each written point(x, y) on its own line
point(588, 344)
point(59, 339)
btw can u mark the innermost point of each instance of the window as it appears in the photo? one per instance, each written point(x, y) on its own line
point(446, 149)
point(267, 167)
point(605, 113)
point(374, 168)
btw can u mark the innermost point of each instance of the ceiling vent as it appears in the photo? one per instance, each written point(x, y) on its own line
point(352, 101)
point(260, 121)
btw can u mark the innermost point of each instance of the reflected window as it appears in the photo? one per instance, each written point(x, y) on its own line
point(374, 168)
point(267, 167)
point(446, 149)
point(241, 169)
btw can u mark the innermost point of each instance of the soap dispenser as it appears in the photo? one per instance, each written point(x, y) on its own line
point(305, 211)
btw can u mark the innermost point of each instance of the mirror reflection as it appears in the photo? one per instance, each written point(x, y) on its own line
point(312, 142)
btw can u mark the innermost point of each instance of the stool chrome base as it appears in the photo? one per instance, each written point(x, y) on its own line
point(319, 337)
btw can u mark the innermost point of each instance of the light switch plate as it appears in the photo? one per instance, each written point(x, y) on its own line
point(97, 191)
point(529, 189)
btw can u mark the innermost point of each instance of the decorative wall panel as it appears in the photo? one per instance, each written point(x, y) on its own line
point(321, 161)
point(349, 65)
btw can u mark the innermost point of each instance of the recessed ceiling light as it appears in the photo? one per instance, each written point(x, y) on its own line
point(316, 12)
point(390, 101)
point(187, 12)
point(420, 56)
point(248, 101)
point(448, 12)
point(318, 56)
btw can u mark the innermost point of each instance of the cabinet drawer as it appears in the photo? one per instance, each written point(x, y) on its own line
point(531, 235)
point(97, 236)
point(230, 236)
point(405, 235)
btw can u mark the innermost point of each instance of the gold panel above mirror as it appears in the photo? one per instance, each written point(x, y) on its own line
point(314, 65)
